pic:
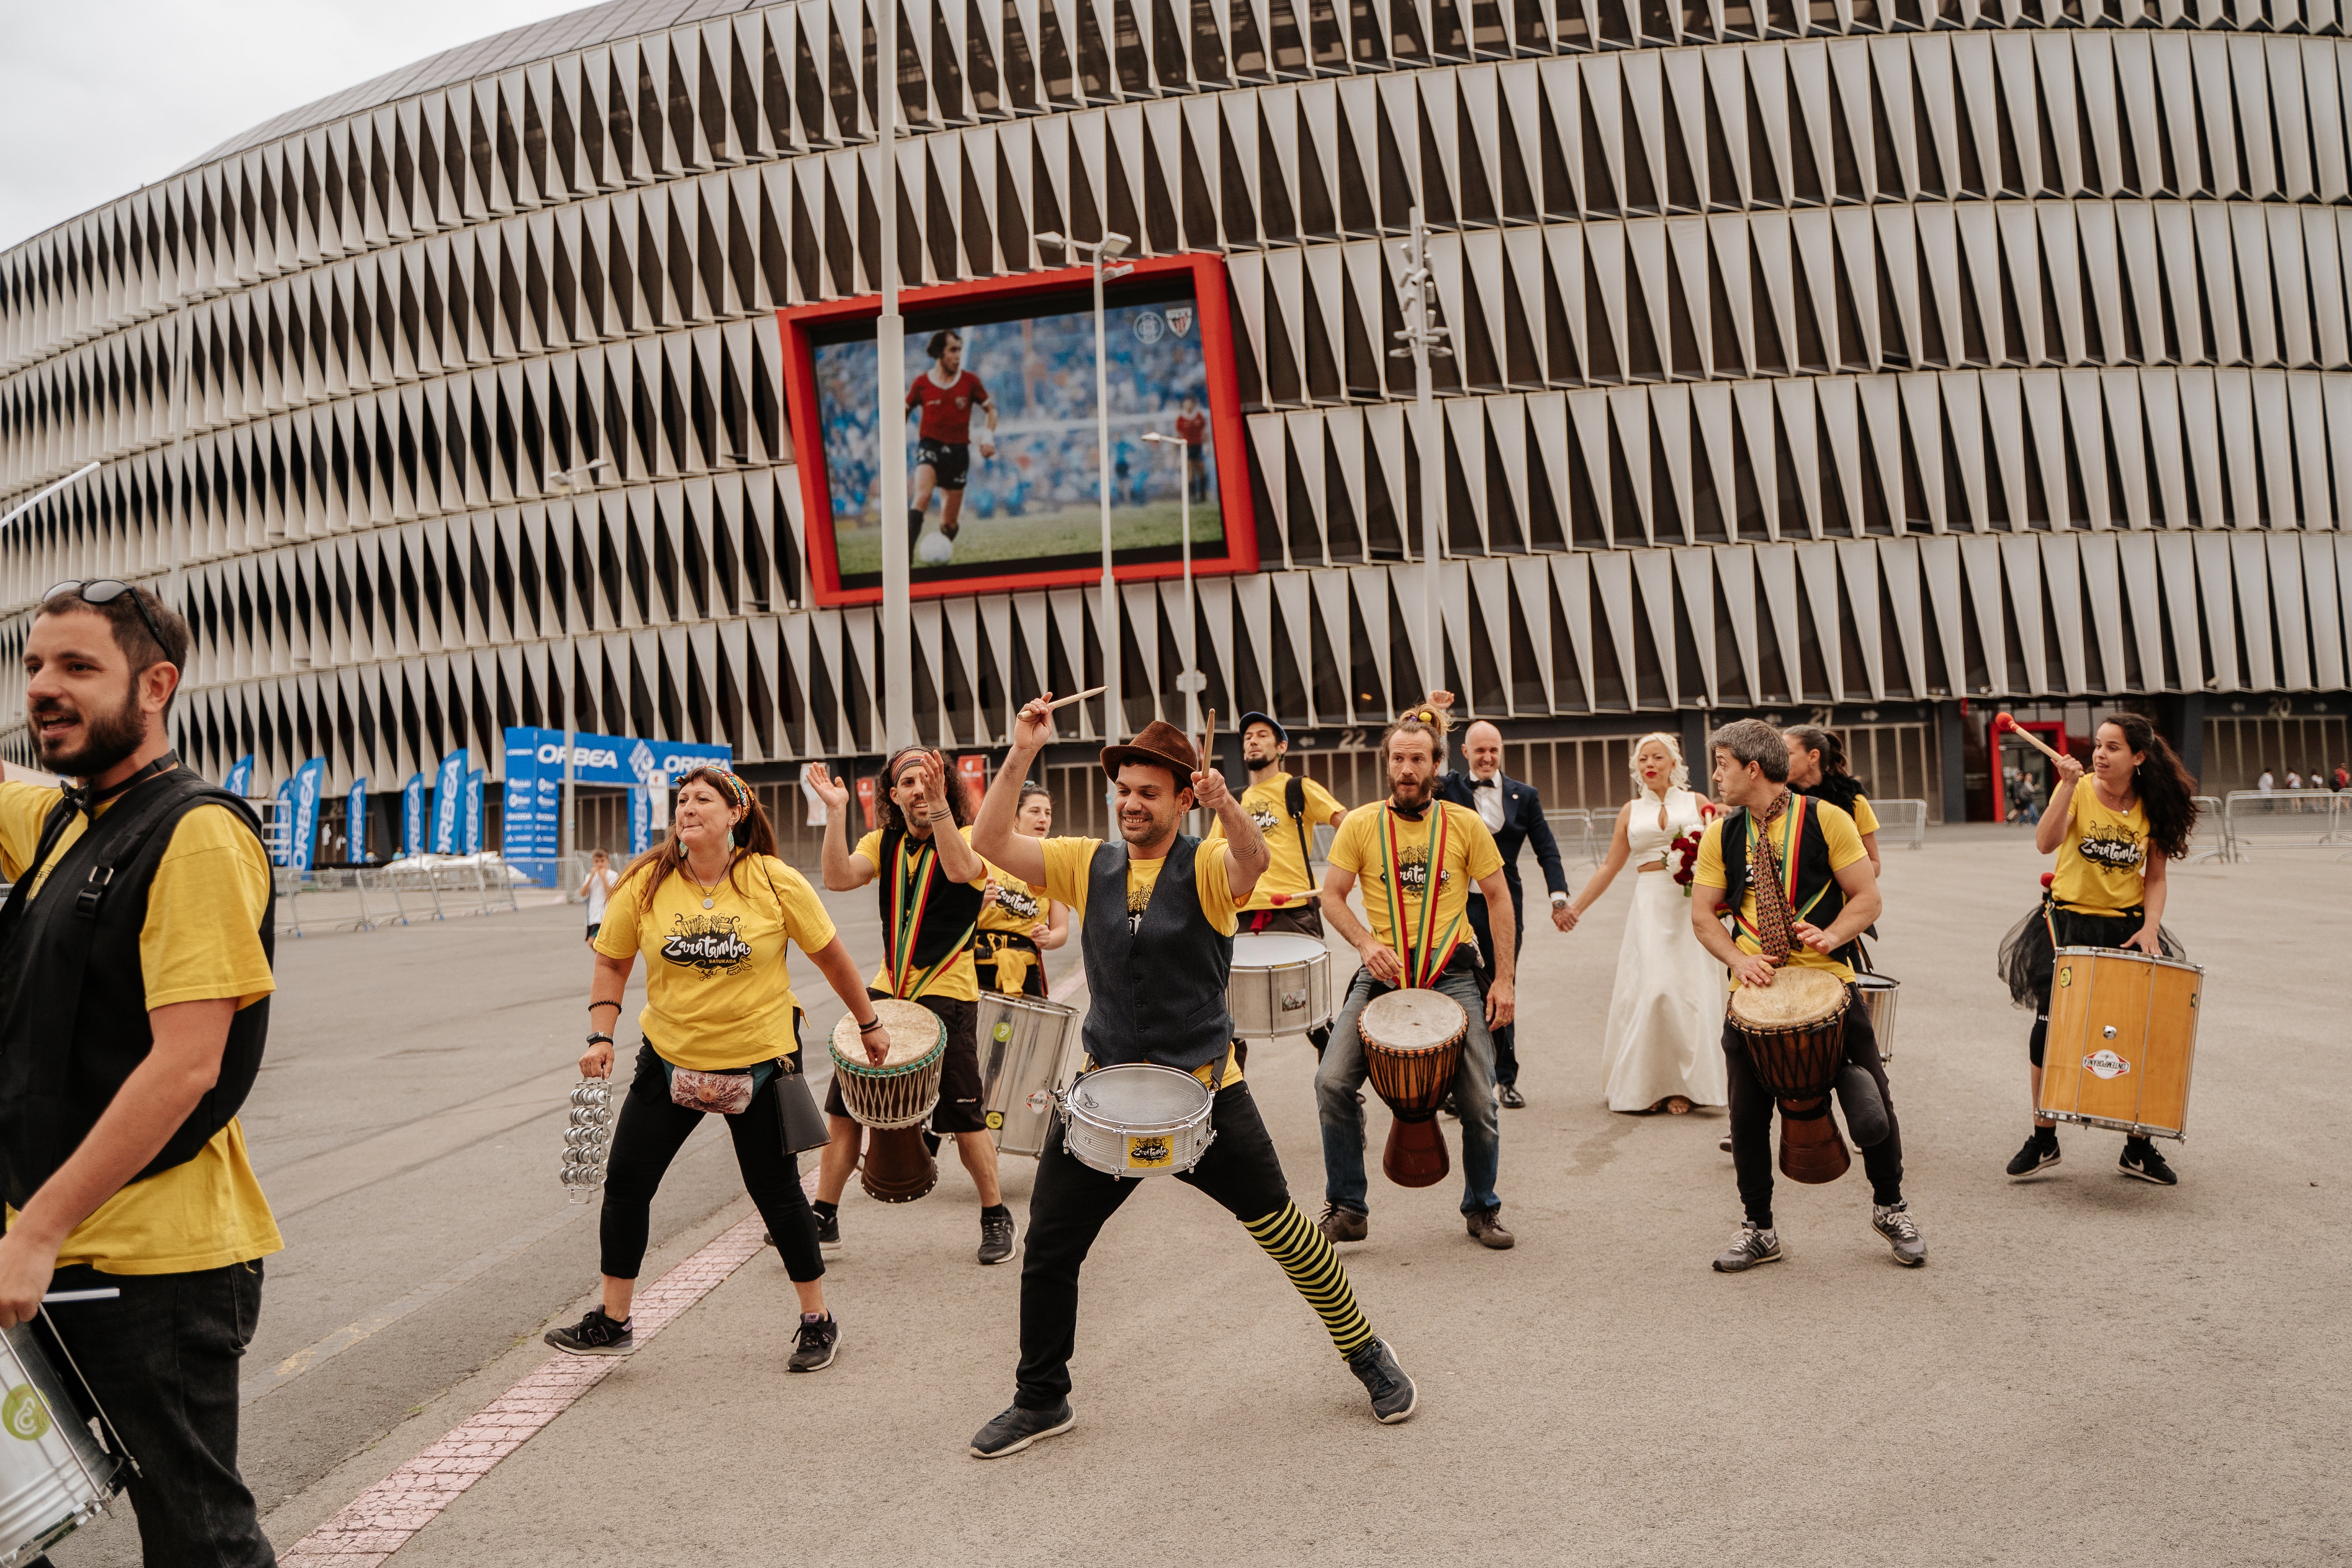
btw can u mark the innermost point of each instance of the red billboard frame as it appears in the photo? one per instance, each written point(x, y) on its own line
point(1227, 434)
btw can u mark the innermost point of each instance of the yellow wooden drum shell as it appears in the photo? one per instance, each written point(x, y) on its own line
point(2122, 1041)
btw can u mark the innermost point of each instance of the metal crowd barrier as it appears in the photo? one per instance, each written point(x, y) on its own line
point(364, 898)
point(1573, 827)
point(2284, 819)
point(1904, 819)
point(2210, 820)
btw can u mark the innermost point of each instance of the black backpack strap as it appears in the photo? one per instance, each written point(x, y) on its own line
point(1293, 801)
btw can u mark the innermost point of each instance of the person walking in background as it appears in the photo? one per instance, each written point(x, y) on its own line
point(1288, 808)
point(1660, 1050)
point(134, 1004)
point(1019, 922)
point(2263, 784)
point(596, 888)
point(710, 909)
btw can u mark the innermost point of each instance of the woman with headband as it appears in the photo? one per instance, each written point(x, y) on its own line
point(710, 909)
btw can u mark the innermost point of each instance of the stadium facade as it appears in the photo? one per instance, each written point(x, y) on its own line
point(1890, 362)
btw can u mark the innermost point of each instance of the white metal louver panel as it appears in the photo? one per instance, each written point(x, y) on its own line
point(1694, 571)
point(2320, 591)
point(2248, 575)
point(1817, 566)
point(1735, 569)
point(1775, 571)
point(1572, 580)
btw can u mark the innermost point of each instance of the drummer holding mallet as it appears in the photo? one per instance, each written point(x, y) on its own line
point(1287, 809)
point(1155, 911)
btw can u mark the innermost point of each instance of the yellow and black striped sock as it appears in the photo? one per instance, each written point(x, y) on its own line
point(1290, 1240)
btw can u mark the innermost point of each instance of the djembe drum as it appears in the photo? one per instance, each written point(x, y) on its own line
point(1412, 1044)
point(1794, 1032)
point(893, 1099)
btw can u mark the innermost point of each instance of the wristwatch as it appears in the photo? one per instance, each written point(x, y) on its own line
point(600, 1039)
point(1560, 900)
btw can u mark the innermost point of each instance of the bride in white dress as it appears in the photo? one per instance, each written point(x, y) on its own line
point(1663, 1047)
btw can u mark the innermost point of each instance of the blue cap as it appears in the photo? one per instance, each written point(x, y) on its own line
point(1268, 720)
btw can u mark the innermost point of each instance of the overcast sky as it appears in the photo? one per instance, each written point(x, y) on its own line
point(100, 97)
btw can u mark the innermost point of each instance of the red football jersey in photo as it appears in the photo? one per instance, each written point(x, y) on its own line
point(947, 410)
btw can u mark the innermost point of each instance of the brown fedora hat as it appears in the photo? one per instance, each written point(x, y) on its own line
point(1159, 744)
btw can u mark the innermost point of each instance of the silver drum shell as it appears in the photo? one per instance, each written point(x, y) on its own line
point(1028, 1048)
point(1879, 995)
point(1159, 1145)
point(1289, 996)
point(53, 1474)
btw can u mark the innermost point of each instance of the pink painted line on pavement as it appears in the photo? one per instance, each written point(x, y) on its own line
point(382, 1519)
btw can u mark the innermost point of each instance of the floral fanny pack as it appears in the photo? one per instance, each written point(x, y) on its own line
point(729, 1093)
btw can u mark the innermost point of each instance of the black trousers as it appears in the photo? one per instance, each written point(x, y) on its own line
point(1751, 1120)
point(1070, 1203)
point(1507, 1038)
point(652, 1129)
point(162, 1360)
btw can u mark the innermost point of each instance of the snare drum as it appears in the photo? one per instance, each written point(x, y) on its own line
point(2122, 1041)
point(893, 1100)
point(1281, 985)
point(1794, 1033)
point(1138, 1119)
point(1412, 1047)
point(1028, 1048)
point(54, 1478)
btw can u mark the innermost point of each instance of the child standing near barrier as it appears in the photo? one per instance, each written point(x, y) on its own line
point(598, 886)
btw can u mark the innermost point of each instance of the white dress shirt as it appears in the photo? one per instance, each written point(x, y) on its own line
point(1488, 794)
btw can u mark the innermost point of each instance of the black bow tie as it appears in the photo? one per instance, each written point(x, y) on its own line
point(87, 799)
point(1413, 814)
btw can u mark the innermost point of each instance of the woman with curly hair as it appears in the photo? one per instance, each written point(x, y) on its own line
point(2114, 835)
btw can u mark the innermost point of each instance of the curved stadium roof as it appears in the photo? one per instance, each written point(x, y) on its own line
point(501, 51)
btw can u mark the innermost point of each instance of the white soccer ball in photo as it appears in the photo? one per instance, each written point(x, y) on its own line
point(935, 549)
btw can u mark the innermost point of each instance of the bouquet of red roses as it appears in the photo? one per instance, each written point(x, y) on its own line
point(1682, 859)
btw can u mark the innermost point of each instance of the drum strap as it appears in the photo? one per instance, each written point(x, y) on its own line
point(910, 895)
point(1293, 801)
point(1425, 949)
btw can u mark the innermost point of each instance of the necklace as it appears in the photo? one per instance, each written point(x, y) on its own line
point(710, 893)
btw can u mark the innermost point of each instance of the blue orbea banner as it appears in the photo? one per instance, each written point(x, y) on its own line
point(309, 780)
point(448, 785)
point(240, 776)
point(531, 835)
point(472, 838)
point(641, 820)
point(355, 823)
point(284, 824)
point(412, 815)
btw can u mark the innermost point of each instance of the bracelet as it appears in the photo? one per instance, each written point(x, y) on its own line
point(594, 1005)
point(600, 1039)
point(869, 1029)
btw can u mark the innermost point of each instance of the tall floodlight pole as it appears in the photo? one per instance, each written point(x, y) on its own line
point(1427, 342)
point(1105, 252)
point(1191, 681)
point(890, 389)
point(568, 842)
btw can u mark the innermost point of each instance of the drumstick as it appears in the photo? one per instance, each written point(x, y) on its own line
point(59, 1297)
point(1207, 736)
point(1079, 697)
point(2003, 724)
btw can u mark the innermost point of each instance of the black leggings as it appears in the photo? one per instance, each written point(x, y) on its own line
point(653, 1128)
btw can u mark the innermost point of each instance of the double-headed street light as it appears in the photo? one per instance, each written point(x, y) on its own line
point(1191, 681)
point(1426, 340)
point(569, 480)
point(1103, 255)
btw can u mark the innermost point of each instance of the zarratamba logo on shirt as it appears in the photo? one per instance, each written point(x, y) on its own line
point(1413, 871)
point(2112, 851)
point(712, 943)
point(1265, 820)
point(1016, 900)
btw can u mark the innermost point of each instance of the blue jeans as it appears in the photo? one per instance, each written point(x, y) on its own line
point(1342, 1074)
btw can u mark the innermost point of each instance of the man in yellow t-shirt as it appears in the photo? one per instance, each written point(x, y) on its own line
point(930, 883)
point(1155, 912)
point(134, 979)
point(1416, 858)
point(1288, 810)
point(1798, 888)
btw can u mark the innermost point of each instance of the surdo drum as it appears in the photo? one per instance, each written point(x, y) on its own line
point(54, 1478)
point(892, 1099)
point(1027, 1050)
point(1280, 985)
point(2122, 1041)
point(1794, 1033)
point(1412, 1045)
point(1138, 1119)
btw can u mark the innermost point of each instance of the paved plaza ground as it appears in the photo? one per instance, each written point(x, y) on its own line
point(2090, 1370)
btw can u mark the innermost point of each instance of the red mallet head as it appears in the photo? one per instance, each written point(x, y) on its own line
point(2002, 723)
point(2048, 877)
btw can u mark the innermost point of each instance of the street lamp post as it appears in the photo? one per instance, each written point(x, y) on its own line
point(890, 390)
point(1104, 255)
point(568, 479)
point(1426, 340)
point(1191, 681)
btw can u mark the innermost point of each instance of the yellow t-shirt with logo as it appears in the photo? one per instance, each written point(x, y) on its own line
point(1287, 879)
point(2103, 860)
point(717, 995)
point(1470, 855)
point(1018, 906)
point(1844, 841)
point(956, 980)
point(1068, 860)
point(1866, 821)
point(201, 940)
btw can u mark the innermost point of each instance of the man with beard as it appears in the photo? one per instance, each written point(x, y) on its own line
point(1287, 811)
point(931, 888)
point(134, 978)
point(1418, 857)
point(1155, 913)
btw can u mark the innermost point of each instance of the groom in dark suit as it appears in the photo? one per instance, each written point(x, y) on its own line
point(1512, 813)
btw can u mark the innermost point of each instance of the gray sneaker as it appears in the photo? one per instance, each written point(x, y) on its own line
point(1017, 1428)
point(1893, 1222)
point(1748, 1248)
point(1393, 1394)
point(1339, 1225)
point(1486, 1229)
point(995, 1238)
point(815, 1345)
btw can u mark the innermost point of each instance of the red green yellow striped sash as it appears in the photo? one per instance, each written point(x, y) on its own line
point(1792, 833)
point(1426, 950)
point(911, 896)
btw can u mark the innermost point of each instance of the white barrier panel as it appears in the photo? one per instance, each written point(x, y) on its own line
point(2285, 819)
point(1903, 820)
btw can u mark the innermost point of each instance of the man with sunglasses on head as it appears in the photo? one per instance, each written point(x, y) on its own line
point(134, 983)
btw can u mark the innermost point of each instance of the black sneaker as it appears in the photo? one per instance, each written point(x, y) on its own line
point(2140, 1159)
point(1512, 1099)
point(828, 1231)
point(595, 1334)
point(1017, 1428)
point(2036, 1157)
point(1393, 1394)
point(995, 1238)
point(819, 1342)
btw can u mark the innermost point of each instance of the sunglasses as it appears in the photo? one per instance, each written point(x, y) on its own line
point(105, 591)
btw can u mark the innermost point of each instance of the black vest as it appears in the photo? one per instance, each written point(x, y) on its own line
point(1158, 989)
point(73, 1010)
point(1814, 878)
point(949, 913)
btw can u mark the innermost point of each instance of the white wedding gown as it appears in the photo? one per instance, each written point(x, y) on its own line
point(1666, 1014)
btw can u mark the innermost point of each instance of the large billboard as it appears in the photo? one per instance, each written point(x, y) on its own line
point(1004, 456)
